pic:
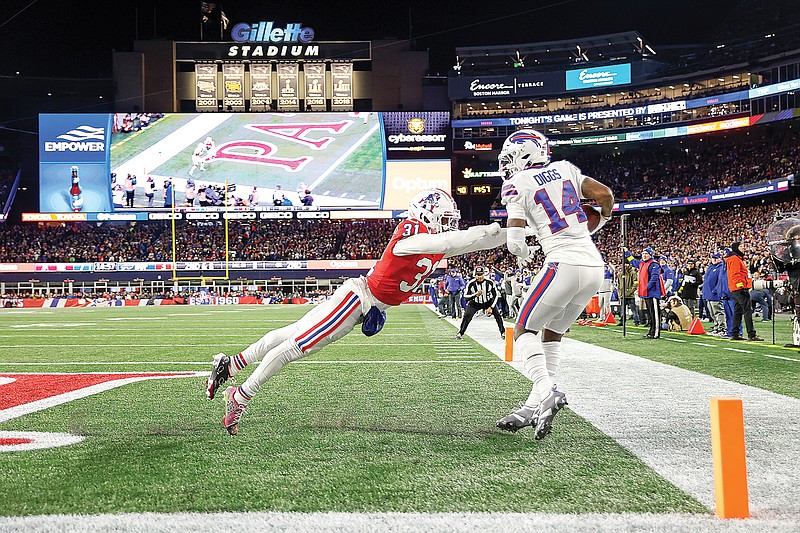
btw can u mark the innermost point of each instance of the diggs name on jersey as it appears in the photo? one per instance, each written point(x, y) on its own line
point(547, 176)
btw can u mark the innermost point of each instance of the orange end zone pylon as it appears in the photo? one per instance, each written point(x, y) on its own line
point(696, 328)
point(728, 450)
point(509, 344)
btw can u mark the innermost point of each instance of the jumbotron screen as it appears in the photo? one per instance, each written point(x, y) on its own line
point(122, 163)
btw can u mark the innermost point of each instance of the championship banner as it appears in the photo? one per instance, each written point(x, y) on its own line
point(342, 83)
point(315, 86)
point(260, 86)
point(233, 86)
point(206, 76)
point(288, 99)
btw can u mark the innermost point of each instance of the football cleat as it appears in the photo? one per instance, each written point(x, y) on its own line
point(552, 404)
point(220, 373)
point(459, 336)
point(233, 412)
point(522, 417)
point(503, 335)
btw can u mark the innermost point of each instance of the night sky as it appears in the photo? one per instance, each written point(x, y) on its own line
point(75, 39)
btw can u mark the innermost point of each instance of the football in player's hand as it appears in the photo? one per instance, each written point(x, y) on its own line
point(593, 216)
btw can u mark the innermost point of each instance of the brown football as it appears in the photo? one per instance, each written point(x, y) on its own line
point(592, 214)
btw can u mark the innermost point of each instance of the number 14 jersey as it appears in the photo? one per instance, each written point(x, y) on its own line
point(548, 198)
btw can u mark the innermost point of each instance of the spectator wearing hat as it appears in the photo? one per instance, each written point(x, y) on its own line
point(711, 294)
point(150, 190)
point(481, 295)
point(631, 281)
point(453, 287)
point(651, 288)
point(691, 280)
point(668, 275)
point(678, 316)
point(739, 283)
point(728, 304)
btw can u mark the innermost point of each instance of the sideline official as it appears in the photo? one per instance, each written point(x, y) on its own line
point(481, 295)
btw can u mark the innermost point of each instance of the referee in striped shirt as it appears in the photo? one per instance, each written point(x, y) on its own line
point(481, 295)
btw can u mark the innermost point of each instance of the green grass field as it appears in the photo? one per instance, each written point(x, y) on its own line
point(400, 422)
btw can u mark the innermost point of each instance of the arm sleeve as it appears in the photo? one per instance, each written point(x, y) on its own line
point(452, 243)
point(469, 293)
point(516, 242)
point(495, 292)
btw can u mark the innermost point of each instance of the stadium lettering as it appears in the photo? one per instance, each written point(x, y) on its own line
point(476, 85)
point(50, 146)
point(258, 153)
point(401, 138)
point(266, 32)
point(273, 51)
point(299, 133)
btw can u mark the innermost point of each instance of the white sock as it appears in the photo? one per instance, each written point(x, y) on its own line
point(535, 367)
point(552, 355)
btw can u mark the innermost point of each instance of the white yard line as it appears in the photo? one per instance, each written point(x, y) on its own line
point(391, 522)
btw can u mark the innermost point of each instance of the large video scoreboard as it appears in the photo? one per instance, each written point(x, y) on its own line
point(150, 166)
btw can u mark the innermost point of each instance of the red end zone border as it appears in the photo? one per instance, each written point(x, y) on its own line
point(22, 394)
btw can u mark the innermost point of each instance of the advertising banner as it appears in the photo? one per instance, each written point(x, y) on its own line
point(342, 84)
point(206, 81)
point(315, 86)
point(589, 78)
point(260, 86)
point(288, 99)
point(233, 86)
point(406, 178)
point(417, 135)
point(505, 86)
point(316, 51)
point(74, 151)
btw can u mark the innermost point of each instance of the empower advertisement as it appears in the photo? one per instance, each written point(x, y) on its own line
point(233, 86)
point(315, 86)
point(260, 86)
point(589, 78)
point(206, 88)
point(342, 86)
point(268, 161)
point(74, 158)
point(288, 98)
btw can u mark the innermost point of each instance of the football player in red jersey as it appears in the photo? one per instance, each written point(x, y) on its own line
point(429, 234)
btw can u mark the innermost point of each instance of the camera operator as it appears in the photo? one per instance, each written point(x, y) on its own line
point(761, 295)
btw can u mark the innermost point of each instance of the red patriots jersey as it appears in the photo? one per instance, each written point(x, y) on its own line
point(395, 277)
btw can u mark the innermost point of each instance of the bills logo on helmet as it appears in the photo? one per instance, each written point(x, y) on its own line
point(523, 136)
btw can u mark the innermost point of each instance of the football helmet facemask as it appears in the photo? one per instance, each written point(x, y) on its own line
point(436, 209)
point(523, 149)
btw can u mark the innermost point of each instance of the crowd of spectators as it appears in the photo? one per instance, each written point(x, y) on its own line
point(681, 236)
point(693, 167)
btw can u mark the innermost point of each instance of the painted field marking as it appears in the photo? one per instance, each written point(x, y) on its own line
point(704, 344)
point(673, 340)
point(737, 350)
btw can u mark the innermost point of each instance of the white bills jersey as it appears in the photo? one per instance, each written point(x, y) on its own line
point(548, 198)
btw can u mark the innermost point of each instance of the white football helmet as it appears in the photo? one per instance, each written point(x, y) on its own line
point(436, 209)
point(523, 149)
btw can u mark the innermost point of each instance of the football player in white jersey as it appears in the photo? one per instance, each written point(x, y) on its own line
point(547, 197)
point(429, 234)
